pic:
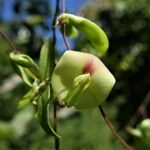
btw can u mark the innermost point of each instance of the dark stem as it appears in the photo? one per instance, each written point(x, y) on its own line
point(9, 41)
point(54, 32)
point(111, 126)
point(56, 140)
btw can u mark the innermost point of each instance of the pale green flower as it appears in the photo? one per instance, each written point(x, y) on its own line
point(81, 80)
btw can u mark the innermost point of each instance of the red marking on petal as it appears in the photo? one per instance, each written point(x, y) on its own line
point(89, 67)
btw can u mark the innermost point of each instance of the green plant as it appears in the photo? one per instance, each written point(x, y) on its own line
point(99, 39)
point(141, 135)
point(81, 80)
point(88, 76)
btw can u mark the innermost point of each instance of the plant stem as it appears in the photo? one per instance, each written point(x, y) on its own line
point(64, 36)
point(56, 140)
point(63, 6)
point(63, 27)
point(54, 33)
point(110, 125)
point(9, 41)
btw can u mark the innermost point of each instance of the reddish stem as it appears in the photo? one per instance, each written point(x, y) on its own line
point(9, 41)
point(110, 125)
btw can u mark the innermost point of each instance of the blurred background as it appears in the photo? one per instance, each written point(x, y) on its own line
point(28, 23)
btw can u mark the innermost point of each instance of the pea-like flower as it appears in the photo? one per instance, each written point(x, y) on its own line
point(81, 80)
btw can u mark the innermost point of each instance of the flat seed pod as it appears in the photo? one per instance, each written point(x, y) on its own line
point(68, 71)
point(93, 32)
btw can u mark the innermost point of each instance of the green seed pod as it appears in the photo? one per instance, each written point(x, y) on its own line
point(92, 31)
point(71, 31)
point(81, 80)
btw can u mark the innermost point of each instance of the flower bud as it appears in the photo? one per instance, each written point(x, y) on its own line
point(84, 77)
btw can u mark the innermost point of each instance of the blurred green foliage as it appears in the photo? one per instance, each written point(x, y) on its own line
point(127, 25)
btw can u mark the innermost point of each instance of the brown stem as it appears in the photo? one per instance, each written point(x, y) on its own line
point(110, 125)
point(63, 6)
point(64, 36)
point(63, 27)
point(9, 41)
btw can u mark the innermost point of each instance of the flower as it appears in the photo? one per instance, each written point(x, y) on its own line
point(82, 76)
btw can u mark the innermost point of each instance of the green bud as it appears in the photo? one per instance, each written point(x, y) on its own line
point(26, 62)
point(22, 60)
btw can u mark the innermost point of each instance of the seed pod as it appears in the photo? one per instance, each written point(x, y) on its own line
point(92, 31)
point(71, 31)
point(82, 76)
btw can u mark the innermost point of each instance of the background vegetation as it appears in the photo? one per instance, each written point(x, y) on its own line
point(128, 58)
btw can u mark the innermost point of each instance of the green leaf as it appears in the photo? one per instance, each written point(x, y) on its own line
point(42, 114)
point(25, 77)
point(15, 67)
point(44, 58)
point(25, 100)
point(33, 94)
point(21, 72)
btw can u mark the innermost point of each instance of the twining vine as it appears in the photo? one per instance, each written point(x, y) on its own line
point(57, 140)
point(104, 115)
point(42, 79)
point(63, 27)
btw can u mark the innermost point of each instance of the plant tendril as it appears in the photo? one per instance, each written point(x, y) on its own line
point(110, 125)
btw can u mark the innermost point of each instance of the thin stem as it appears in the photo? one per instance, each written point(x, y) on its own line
point(63, 6)
point(56, 140)
point(9, 41)
point(64, 36)
point(54, 32)
point(63, 26)
point(110, 125)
